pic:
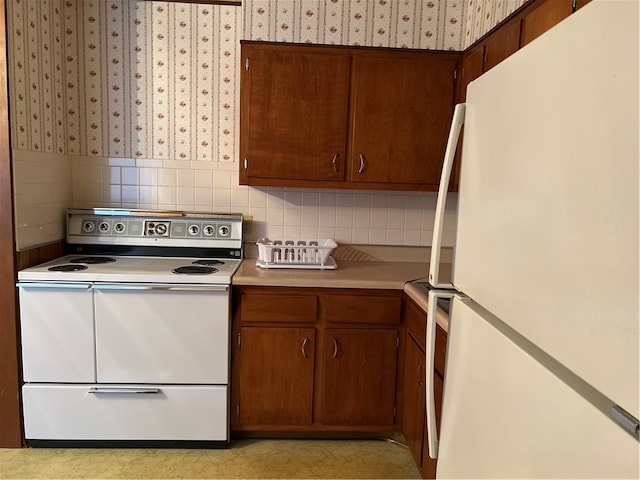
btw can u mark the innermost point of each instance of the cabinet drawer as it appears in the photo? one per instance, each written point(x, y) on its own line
point(77, 412)
point(362, 309)
point(278, 308)
point(416, 323)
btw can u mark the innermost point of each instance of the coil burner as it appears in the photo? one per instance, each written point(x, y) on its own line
point(67, 268)
point(194, 270)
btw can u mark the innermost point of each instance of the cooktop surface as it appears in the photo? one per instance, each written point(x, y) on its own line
point(132, 269)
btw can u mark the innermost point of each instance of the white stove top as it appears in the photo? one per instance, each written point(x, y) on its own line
point(132, 269)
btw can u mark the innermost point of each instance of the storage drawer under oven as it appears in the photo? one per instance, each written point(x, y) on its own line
point(125, 412)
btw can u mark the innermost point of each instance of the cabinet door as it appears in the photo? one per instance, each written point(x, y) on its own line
point(401, 113)
point(276, 376)
point(548, 14)
point(359, 376)
point(294, 113)
point(500, 44)
point(413, 417)
point(472, 67)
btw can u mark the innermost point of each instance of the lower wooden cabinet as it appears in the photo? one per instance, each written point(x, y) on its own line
point(414, 426)
point(359, 376)
point(324, 359)
point(413, 417)
point(276, 379)
point(310, 359)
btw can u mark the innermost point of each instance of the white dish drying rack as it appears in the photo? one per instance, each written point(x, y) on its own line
point(296, 253)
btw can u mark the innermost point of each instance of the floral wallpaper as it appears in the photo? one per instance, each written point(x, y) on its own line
point(124, 78)
point(424, 24)
point(483, 15)
point(133, 104)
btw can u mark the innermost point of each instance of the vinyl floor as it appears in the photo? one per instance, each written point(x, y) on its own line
point(246, 458)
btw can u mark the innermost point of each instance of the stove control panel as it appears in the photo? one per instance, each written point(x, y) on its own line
point(154, 228)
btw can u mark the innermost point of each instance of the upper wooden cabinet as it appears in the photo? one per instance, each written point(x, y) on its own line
point(545, 15)
point(490, 51)
point(344, 117)
point(401, 106)
point(504, 42)
point(523, 26)
point(293, 113)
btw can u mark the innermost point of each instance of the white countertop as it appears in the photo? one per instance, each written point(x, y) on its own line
point(349, 274)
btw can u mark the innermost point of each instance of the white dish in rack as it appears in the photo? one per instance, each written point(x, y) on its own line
point(296, 253)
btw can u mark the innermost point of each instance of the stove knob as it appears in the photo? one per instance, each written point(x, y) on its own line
point(224, 231)
point(194, 230)
point(209, 230)
point(104, 227)
point(119, 227)
point(161, 229)
point(88, 227)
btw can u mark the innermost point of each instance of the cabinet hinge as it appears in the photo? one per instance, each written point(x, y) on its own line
point(246, 163)
point(239, 339)
point(395, 411)
point(247, 63)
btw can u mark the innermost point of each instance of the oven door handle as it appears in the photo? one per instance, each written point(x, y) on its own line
point(126, 390)
point(84, 286)
point(172, 288)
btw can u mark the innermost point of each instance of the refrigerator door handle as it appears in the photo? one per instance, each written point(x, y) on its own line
point(430, 345)
point(447, 167)
point(627, 421)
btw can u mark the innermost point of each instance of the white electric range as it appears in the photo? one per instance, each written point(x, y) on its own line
point(125, 340)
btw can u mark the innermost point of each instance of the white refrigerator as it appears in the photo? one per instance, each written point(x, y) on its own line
point(542, 363)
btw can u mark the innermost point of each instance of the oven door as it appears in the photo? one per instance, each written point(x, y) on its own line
point(167, 334)
point(57, 332)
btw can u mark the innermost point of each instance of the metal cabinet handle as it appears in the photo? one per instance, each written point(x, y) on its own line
point(79, 286)
point(304, 344)
point(127, 390)
point(363, 163)
point(335, 347)
point(171, 288)
point(334, 163)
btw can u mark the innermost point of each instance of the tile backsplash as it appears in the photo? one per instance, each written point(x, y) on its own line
point(133, 104)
